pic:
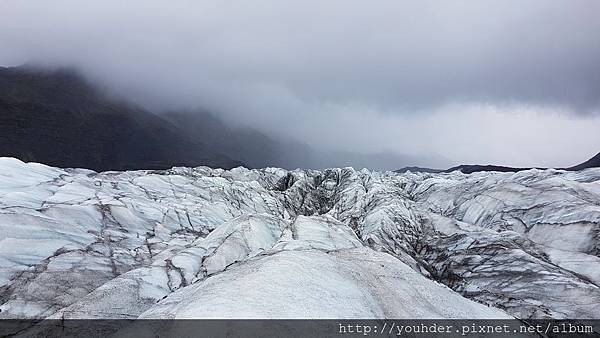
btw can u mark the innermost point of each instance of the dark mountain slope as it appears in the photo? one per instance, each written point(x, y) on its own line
point(593, 162)
point(250, 146)
point(471, 168)
point(57, 118)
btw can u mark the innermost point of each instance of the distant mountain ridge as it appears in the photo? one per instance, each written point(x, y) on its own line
point(593, 162)
point(57, 118)
point(416, 169)
point(471, 168)
point(60, 119)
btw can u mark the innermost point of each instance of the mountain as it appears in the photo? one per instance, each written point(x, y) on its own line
point(594, 162)
point(259, 150)
point(471, 168)
point(415, 169)
point(58, 118)
point(245, 144)
point(273, 243)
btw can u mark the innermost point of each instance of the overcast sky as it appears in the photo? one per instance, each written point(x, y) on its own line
point(512, 82)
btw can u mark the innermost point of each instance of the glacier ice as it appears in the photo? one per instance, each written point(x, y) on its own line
point(273, 243)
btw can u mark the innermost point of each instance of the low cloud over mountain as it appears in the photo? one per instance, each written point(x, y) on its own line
point(448, 83)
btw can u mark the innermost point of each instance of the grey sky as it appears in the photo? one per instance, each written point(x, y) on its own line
point(506, 81)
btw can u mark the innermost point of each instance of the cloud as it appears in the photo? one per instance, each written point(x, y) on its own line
point(290, 67)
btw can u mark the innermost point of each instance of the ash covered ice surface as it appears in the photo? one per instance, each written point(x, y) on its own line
point(272, 243)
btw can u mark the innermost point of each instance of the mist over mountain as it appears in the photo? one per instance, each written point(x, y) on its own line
point(59, 118)
point(501, 82)
point(249, 146)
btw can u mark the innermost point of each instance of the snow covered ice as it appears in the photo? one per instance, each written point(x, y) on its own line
point(272, 243)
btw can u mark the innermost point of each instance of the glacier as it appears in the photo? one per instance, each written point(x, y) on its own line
point(274, 243)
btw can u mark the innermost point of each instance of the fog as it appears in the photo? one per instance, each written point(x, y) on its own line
point(506, 82)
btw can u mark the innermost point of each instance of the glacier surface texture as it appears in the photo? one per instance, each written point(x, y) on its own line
point(272, 243)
